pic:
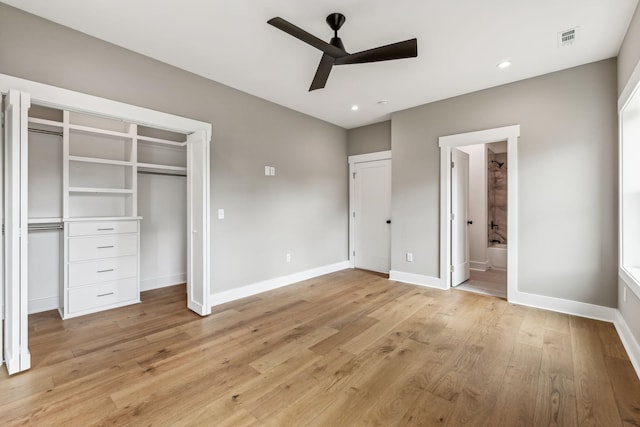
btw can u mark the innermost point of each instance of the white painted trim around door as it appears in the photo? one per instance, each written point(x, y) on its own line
point(353, 160)
point(511, 135)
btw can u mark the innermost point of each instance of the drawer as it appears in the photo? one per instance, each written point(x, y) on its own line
point(108, 246)
point(98, 228)
point(102, 270)
point(95, 296)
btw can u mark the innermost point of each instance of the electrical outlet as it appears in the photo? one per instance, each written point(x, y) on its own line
point(409, 257)
point(288, 257)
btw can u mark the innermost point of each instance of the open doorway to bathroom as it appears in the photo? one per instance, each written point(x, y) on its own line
point(487, 218)
point(491, 213)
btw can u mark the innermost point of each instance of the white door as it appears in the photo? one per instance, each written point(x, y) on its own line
point(198, 210)
point(372, 215)
point(16, 345)
point(459, 216)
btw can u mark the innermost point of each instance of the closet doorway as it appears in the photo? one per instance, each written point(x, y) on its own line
point(18, 96)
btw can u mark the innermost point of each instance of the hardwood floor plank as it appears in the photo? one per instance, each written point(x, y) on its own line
point(556, 397)
point(594, 395)
point(626, 386)
point(350, 348)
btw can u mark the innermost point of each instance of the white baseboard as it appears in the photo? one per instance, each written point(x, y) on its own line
point(42, 304)
point(416, 279)
point(162, 282)
point(218, 298)
point(576, 308)
point(477, 265)
point(628, 341)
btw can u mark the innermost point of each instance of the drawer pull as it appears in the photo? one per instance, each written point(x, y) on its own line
point(106, 229)
point(104, 271)
point(105, 295)
point(106, 247)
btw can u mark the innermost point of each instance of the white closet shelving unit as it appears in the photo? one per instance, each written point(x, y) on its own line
point(100, 211)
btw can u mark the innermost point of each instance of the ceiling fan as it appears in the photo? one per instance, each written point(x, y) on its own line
point(334, 52)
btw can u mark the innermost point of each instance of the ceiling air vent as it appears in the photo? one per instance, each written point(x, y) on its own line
point(567, 37)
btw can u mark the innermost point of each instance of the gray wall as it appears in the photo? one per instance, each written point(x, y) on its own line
point(369, 139)
point(628, 60)
point(629, 54)
point(568, 179)
point(302, 210)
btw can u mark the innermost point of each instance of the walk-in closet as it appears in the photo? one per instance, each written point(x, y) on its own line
point(114, 200)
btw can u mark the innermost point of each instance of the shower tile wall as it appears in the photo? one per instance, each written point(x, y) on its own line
point(497, 187)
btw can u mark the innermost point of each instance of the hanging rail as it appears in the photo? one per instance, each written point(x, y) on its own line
point(161, 173)
point(46, 132)
point(43, 227)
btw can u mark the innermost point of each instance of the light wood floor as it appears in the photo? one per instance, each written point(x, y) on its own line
point(489, 282)
point(351, 348)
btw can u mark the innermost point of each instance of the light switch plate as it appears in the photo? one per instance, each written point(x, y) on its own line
point(267, 170)
point(272, 171)
point(220, 213)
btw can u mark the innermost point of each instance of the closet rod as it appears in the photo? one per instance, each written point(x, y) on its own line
point(162, 173)
point(42, 227)
point(46, 132)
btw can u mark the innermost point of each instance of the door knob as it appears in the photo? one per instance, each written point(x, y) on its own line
point(388, 221)
point(469, 222)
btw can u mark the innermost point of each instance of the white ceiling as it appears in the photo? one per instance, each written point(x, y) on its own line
point(460, 42)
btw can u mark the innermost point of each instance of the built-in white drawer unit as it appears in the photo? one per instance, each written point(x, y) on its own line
point(90, 228)
point(101, 265)
point(102, 270)
point(108, 246)
point(101, 295)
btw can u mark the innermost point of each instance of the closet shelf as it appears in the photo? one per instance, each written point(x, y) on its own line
point(44, 220)
point(100, 190)
point(145, 167)
point(100, 218)
point(96, 131)
point(100, 161)
point(46, 122)
point(153, 141)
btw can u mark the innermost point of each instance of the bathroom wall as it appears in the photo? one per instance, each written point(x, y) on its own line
point(497, 196)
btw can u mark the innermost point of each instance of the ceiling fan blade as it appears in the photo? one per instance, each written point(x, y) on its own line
point(400, 50)
point(322, 74)
point(310, 39)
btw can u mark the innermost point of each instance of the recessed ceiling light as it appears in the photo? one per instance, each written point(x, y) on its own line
point(504, 64)
point(354, 108)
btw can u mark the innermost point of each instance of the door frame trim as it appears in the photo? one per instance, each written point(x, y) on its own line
point(511, 134)
point(353, 160)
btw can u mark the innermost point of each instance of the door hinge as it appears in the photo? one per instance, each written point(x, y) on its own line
point(354, 175)
point(354, 214)
point(453, 216)
point(452, 268)
point(354, 253)
point(453, 165)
